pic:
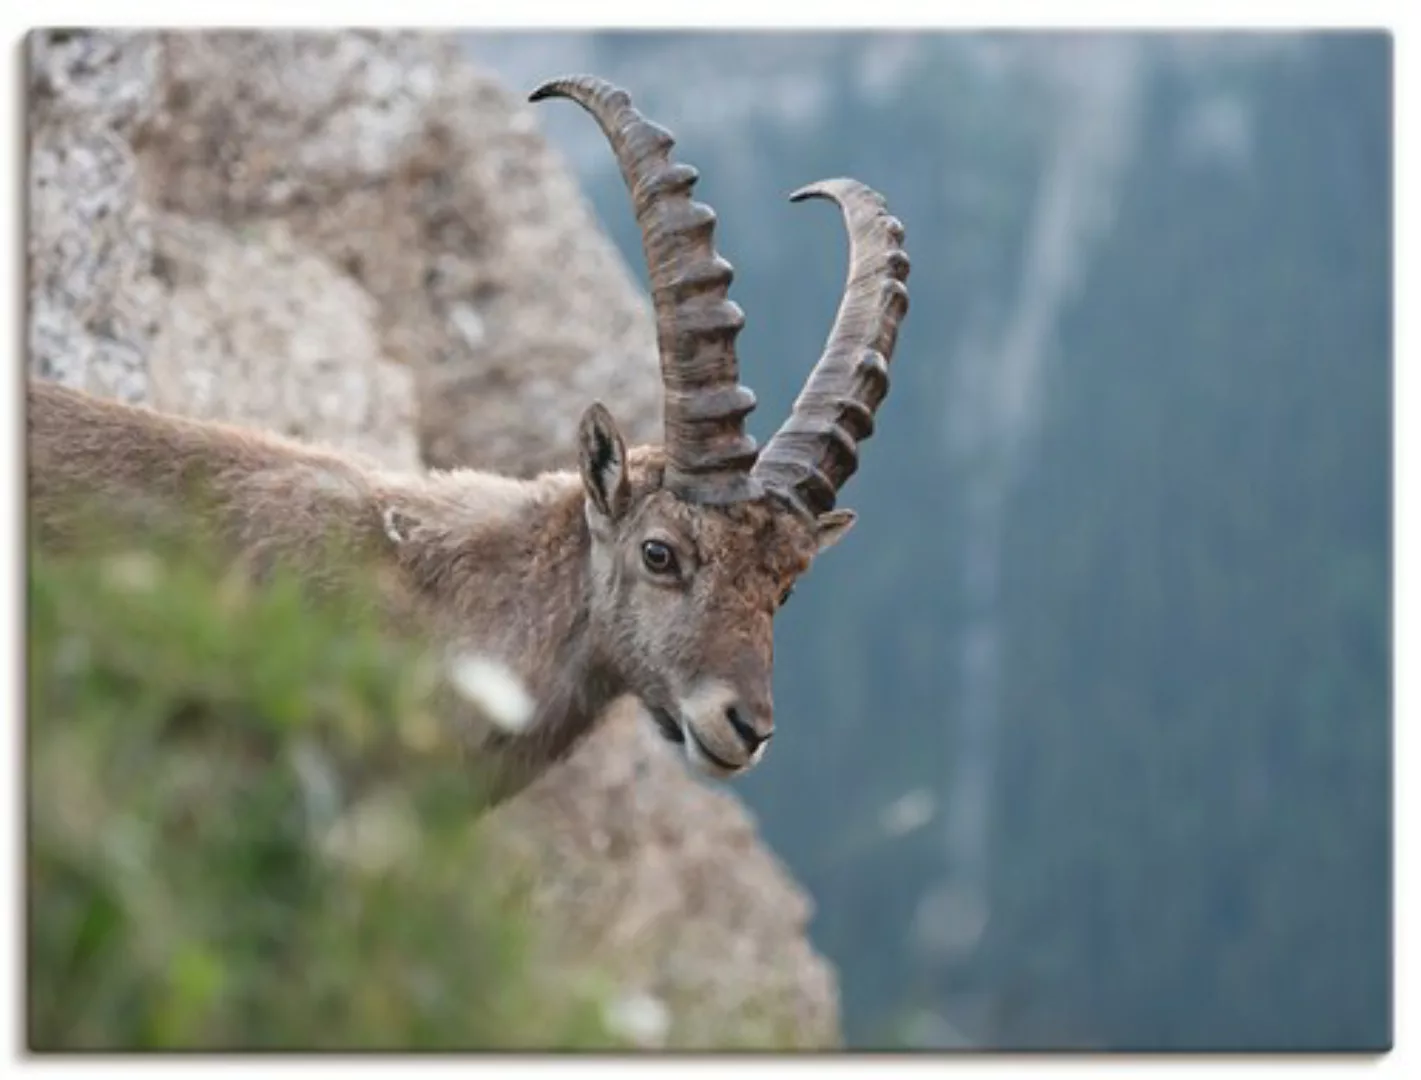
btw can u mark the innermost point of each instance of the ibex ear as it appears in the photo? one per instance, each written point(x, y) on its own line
point(602, 457)
point(833, 526)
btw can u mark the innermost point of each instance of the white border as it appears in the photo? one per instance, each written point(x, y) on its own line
point(609, 13)
point(572, 14)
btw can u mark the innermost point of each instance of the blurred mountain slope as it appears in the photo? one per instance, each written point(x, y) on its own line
point(1085, 730)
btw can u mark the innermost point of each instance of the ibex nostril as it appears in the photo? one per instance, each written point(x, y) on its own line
point(751, 737)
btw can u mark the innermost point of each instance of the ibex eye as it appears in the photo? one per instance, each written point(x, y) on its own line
point(659, 557)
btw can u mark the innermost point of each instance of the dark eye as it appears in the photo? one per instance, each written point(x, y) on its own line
point(659, 557)
point(784, 596)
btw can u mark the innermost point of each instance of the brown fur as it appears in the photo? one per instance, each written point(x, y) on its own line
point(547, 575)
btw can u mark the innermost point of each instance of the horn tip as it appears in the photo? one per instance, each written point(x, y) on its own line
point(840, 189)
point(816, 190)
point(551, 88)
point(576, 87)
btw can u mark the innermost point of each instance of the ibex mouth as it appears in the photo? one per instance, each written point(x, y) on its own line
point(667, 725)
point(673, 732)
point(719, 762)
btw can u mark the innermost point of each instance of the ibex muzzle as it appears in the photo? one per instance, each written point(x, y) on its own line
point(692, 557)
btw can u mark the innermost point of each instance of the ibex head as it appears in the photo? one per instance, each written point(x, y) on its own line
point(696, 546)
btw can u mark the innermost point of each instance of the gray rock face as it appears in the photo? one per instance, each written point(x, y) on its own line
point(93, 297)
point(663, 880)
point(431, 187)
point(358, 239)
point(258, 330)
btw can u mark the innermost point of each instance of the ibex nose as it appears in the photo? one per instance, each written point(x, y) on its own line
point(753, 728)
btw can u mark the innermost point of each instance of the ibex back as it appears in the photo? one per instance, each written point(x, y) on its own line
point(655, 572)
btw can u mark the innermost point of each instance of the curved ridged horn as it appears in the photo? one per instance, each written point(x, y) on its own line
point(709, 453)
point(816, 450)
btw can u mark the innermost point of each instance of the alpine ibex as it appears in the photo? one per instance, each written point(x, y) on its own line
point(654, 572)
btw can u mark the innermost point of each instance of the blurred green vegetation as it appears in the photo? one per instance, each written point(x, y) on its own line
point(245, 831)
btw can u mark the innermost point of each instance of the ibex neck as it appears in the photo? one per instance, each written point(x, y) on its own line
point(511, 585)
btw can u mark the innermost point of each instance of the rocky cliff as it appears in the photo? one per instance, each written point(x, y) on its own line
point(357, 238)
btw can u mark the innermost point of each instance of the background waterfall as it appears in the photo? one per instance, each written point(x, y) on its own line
point(1094, 84)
